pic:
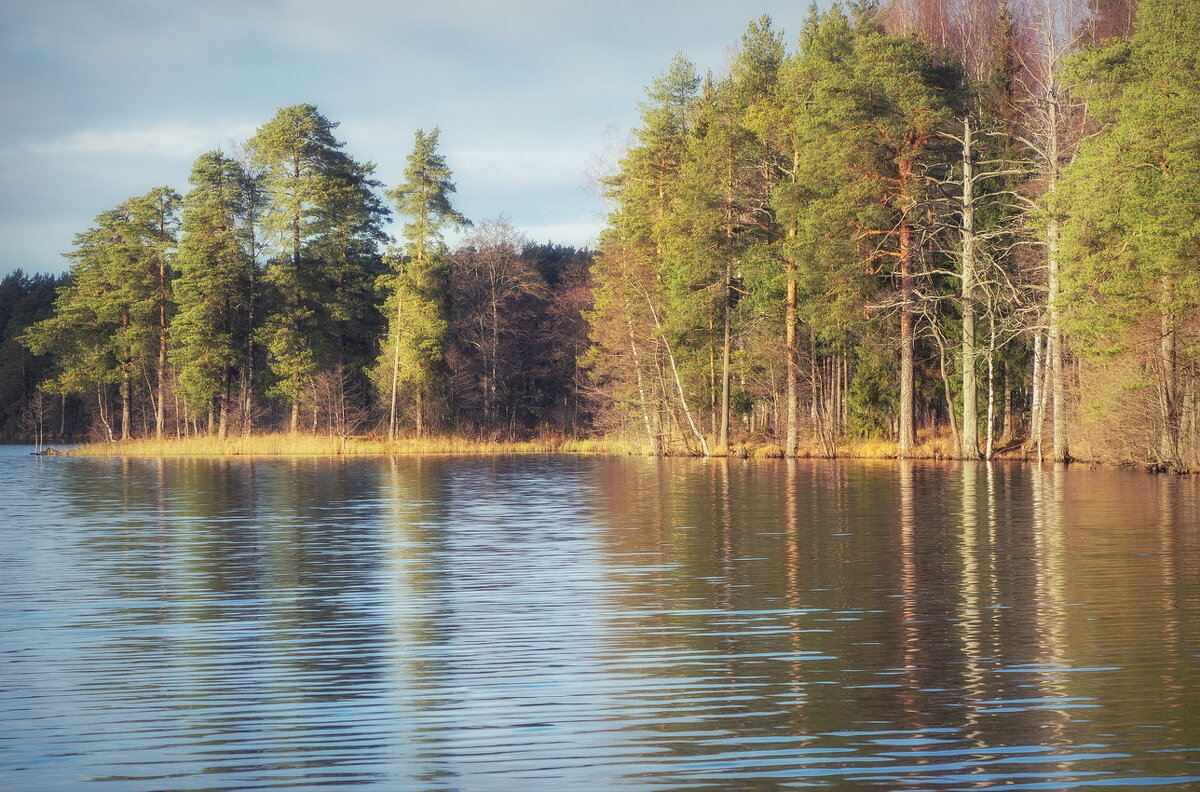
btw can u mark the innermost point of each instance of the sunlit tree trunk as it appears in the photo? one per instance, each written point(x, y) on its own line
point(907, 429)
point(1054, 340)
point(723, 435)
point(1168, 394)
point(970, 417)
point(395, 385)
point(126, 415)
point(791, 376)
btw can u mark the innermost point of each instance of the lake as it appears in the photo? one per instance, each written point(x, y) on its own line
point(576, 623)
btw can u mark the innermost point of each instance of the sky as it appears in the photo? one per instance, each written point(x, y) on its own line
point(102, 101)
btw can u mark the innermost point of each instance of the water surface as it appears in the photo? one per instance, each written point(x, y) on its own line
point(557, 623)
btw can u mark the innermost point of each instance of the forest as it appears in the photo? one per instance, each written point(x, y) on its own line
point(953, 228)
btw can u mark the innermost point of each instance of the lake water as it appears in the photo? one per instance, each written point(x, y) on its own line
point(568, 623)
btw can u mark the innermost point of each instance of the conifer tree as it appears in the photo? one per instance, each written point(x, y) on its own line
point(817, 200)
point(868, 120)
point(154, 221)
point(1132, 235)
point(326, 220)
point(110, 323)
point(644, 193)
point(213, 292)
point(413, 356)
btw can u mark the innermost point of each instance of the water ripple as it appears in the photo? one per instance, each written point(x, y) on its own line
point(541, 623)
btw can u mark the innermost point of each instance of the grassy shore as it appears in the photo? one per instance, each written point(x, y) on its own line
point(288, 445)
point(323, 445)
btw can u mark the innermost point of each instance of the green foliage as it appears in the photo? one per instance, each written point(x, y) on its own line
point(106, 319)
point(210, 332)
point(412, 356)
point(1131, 237)
point(874, 392)
point(24, 300)
point(326, 219)
point(768, 226)
point(1133, 194)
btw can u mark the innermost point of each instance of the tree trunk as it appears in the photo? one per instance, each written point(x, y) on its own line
point(683, 403)
point(1168, 395)
point(1056, 349)
point(907, 429)
point(125, 411)
point(395, 365)
point(1037, 397)
point(970, 410)
point(991, 387)
point(247, 396)
point(723, 435)
point(160, 386)
point(792, 406)
point(102, 405)
point(651, 435)
point(949, 395)
point(714, 408)
point(420, 409)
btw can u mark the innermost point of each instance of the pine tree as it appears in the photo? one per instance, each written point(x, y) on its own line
point(722, 218)
point(866, 119)
point(110, 324)
point(413, 354)
point(326, 219)
point(644, 193)
point(209, 334)
point(1130, 242)
point(817, 199)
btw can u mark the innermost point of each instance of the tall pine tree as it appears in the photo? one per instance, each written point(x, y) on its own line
point(412, 361)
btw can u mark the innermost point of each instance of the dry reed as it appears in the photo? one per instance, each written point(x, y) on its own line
point(322, 445)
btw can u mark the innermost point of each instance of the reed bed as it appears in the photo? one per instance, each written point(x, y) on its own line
point(936, 447)
point(323, 445)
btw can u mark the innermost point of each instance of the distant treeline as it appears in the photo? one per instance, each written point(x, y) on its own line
point(25, 299)
point(265, 299)
point(971, 223)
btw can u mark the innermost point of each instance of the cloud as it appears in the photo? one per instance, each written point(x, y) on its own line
point(165, 139)
point(522, 166)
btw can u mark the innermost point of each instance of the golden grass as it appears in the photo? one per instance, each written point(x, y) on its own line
point(319, 445)
point(931, 447)
point(610, 446)
point(928, 447)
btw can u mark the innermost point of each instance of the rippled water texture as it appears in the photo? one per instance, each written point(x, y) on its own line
point(542, 623)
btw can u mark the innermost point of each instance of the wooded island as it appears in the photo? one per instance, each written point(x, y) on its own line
point(929, 228)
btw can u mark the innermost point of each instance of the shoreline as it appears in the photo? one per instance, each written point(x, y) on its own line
point(287, 445)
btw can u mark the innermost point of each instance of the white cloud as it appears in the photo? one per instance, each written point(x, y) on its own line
point(522, 166)
point(166, 139)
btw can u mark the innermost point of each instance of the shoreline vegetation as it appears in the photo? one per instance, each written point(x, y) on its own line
point(878, 238)
point(283, 444)
point(933, 448)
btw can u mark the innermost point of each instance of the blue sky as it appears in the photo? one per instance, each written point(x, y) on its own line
point(105, 100)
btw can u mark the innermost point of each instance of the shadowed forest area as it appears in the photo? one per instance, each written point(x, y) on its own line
point(954, 228)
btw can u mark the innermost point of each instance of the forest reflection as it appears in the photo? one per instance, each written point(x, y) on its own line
point(655, 618)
